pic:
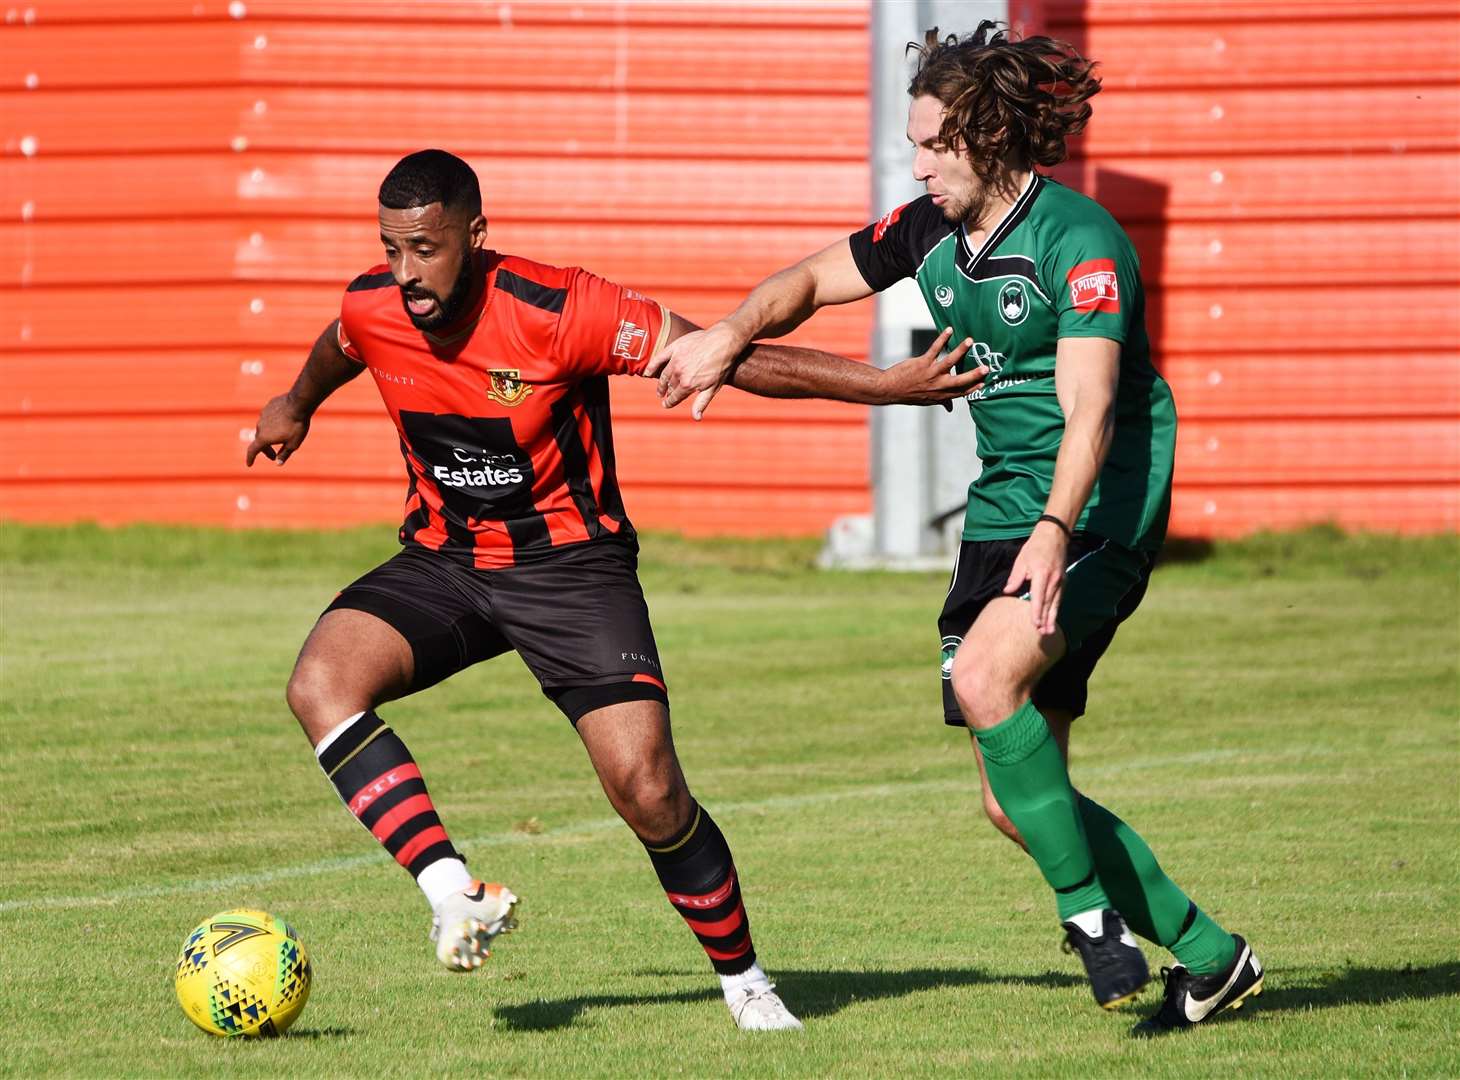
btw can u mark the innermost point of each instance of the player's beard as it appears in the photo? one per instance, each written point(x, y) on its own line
point(968, 210)
point(453, 306)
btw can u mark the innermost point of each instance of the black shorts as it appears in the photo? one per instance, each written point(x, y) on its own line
point(576, 617)
point(1104, 583)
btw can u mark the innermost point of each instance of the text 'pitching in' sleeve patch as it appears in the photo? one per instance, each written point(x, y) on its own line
point(1094, 287)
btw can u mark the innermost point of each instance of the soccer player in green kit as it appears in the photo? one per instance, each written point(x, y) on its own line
point(1076, 433)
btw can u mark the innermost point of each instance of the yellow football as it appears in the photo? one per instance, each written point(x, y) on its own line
point(242, 972)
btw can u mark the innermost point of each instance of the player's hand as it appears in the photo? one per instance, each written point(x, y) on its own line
point(279, 431)
point(697, 363)
point(1041, 565)
point(930, 378)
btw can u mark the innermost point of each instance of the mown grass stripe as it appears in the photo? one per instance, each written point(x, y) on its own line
point(583, 829)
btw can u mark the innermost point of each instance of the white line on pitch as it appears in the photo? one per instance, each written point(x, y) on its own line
point(583, 828)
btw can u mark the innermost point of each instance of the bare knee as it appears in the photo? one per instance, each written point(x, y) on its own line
point(654, 802)
point(351, 662)
point(974, 687)
point(633, 753)
point(987, 690)
point(320, 695)
point(1000, 661)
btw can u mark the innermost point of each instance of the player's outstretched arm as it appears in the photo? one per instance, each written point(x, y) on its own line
point(699, 363)
point(284, 420)
point(785, 371)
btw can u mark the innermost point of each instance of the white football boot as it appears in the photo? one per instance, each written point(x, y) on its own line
point(759, 1008)
point(466, 923)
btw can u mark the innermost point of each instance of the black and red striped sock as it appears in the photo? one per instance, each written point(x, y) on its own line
point(698, 874)
point(378, 780)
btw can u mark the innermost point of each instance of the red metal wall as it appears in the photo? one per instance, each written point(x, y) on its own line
point(186, 186)
point(1290, 172)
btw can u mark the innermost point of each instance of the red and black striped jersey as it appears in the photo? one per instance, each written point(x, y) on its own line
point(504, 419)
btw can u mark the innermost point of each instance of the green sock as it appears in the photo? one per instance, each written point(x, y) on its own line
point(1204, 947)
point(1029, 778)
point(1149, 901)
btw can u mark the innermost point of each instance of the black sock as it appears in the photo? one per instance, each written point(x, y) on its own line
point(698, 874)
point(378, 780)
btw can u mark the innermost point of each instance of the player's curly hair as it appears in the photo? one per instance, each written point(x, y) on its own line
point(431, 176)
point(1003, 96)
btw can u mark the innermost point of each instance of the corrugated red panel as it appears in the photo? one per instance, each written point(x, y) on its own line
point(648, 256)
point(1296, 253)
point(518, 188)
point(1277, 186)
point(1231, 52)
point(583, 14)
point(251, 315)
point(473, 123)
point(1217, 122)
point(1355, 383)
point(232, 382)
point(1397, 507)
point(359, 447)
point(185, 184)
point(481, 55)
point(186, 187)
point(654, 256)
point(1290, 174)
point(1342, 320)
point(1062, 14)
point(1269, 450)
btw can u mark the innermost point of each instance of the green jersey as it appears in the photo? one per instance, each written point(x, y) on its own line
point(1057, 266)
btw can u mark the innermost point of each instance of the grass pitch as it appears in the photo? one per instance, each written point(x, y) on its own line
point(1279, 720)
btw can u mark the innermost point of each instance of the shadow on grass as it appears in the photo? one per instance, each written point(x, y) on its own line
point(823, 993)
point(809, 993)
point(1327, 989)
point(1186, 549)
point(295, 1034)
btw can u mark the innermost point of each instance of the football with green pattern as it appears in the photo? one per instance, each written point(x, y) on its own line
point(243, 972)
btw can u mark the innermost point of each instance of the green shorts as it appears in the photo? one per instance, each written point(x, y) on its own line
point(1104, 584)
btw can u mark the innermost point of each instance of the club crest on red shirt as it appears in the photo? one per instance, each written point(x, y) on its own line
point(507, 387)
point(1094, 286)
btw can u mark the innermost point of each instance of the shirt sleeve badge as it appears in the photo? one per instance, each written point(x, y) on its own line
point(1094, 286)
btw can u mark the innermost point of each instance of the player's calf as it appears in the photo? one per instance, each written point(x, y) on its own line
point(380, 783)
point(698, 874)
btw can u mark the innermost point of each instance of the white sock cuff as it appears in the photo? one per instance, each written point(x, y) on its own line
point(1091, 922)
point(751, 976)
point(442, 878)
point(334, 733)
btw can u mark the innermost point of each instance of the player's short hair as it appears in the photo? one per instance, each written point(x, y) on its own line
point(1005, 96)
point(431, 176)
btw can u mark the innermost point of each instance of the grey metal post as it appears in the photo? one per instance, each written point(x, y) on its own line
point(922, 458)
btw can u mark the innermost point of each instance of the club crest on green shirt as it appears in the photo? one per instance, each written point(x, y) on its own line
point(1013, 303)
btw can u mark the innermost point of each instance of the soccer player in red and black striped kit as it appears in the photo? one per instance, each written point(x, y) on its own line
point(494, 370)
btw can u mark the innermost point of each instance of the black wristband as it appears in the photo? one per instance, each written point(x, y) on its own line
point(1056, 521)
